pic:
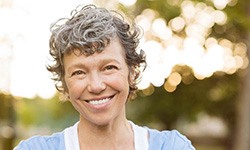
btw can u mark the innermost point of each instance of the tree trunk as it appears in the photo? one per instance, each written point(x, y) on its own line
point(242, 139)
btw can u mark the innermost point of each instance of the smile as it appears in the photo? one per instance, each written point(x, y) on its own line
point(99, 102)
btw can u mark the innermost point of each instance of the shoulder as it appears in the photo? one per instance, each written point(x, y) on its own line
point(52, 142)
point(168, 140)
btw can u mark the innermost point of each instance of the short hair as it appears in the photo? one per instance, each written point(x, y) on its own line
point(90, 29)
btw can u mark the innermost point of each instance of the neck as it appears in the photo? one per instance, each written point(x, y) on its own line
point(115, 134)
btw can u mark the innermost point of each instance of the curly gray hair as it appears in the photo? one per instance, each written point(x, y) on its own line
point(90, 30)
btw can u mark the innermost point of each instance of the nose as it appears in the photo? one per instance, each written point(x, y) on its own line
point(95, 83)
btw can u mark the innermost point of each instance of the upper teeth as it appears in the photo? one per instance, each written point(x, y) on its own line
point(98, 102)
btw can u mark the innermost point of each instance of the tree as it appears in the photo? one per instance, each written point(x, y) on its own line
point(46, 113)
point(242, 140)
point(7, 120)
point(217, 94)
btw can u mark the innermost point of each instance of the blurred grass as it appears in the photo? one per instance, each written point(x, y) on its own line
point(203, 147)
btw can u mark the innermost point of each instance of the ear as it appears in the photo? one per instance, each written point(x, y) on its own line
point(64, 97)
point(68, 97)
point(131, 76)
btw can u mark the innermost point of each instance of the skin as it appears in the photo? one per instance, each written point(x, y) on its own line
point(101, 76)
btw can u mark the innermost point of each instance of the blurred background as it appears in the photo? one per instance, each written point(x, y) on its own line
point(197, 80)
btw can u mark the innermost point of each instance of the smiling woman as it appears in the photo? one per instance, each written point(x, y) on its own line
point(98, 83)
point(97, 66)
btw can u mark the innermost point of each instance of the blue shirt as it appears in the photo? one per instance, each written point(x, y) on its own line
point(158, 140)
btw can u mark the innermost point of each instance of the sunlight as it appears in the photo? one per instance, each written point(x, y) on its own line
point(188, 10)
point(205, 19)
point(127, 2)
point(204, 54)
point(168, 87)
point(5, 57)
point(160, 29)
point(174, 79)
point(219, 17)
point(24, 48)
point(177, 24)
point(143, 22)
point(192, 52)
point(153, 50)
point(184, 40)
point(220, 4)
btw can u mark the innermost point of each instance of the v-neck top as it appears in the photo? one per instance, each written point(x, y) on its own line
point(140, 137)
point(157, 140)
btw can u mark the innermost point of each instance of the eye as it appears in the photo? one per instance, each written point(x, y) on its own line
point(78, 72)
point(110, 67)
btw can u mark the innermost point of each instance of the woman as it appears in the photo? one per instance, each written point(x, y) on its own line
point(97, 68)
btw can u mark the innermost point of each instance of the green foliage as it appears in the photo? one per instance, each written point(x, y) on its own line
point(165, 10)
point(216, 96)
point(7, 114)
point(49, 113)
point(238, 16)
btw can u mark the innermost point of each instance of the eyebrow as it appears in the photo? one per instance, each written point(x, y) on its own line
point(105, 61)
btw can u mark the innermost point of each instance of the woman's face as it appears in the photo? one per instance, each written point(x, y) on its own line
point(98, 84)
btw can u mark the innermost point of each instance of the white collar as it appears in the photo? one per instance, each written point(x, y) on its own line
point(140, 137)
point(71, 138)
point(72, 142)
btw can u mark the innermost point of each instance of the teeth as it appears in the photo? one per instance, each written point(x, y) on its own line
point(98, 102)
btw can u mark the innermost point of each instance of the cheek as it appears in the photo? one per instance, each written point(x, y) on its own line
point(119, 82)
point(75, 89)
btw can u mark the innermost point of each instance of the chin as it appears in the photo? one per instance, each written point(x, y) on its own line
point(97, 121)
point(102, 124)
